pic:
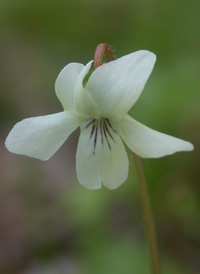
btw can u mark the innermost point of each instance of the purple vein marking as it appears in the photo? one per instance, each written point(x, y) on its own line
point(108, 131)
point(110, 124)
point(92, 132)
point(95, 139)
point(104, 130)
point(101, 131)
point(90, 123)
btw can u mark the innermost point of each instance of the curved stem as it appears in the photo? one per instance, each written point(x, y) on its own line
point(102, 49)
point(148, 216)
point(146, 205)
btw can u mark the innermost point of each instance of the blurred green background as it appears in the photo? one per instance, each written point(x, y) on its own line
point(48, 222)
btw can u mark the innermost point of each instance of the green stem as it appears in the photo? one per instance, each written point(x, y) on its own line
point(148, 216)
point(102, 49)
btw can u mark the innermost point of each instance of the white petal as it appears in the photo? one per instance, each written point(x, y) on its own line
point(83, 101)
point(115, 162)
point(40, 137)
point(65, 83)
point(88, 165)
point(105, 163)
point(115, 86)
point(149, 143)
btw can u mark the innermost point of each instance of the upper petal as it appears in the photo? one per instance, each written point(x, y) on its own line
point(40, 137)
point(83, 101)
point(149, 143)
point(65, 83)
point(115, 86)
point(100, 158)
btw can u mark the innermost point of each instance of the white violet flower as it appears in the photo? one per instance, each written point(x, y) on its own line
point(99, 103)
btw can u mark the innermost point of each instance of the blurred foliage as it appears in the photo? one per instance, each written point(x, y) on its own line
point(48, 222)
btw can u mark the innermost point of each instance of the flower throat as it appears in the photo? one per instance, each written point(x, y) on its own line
point(104, 127)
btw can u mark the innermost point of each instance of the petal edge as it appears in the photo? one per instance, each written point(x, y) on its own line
point(40, 137)
point(149, 143)
point(65, 84)
point(116, 85)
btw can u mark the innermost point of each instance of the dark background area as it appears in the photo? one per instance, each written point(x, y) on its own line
point(48, 222)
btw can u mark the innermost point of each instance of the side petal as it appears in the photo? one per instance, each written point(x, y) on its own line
point(65, 83)
point(100, 158)
point(83, 101)
point(116, 86)
point(40, 137)
point(149, 143)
